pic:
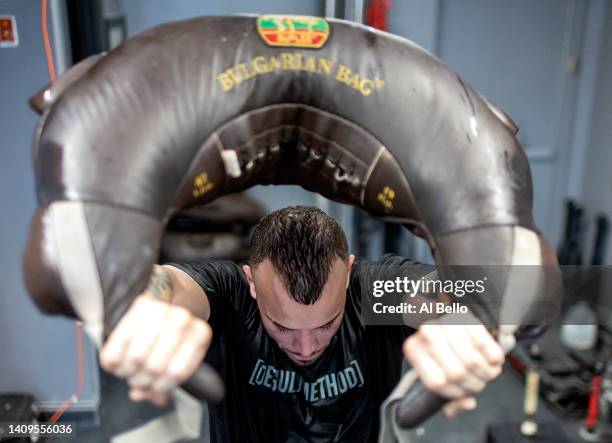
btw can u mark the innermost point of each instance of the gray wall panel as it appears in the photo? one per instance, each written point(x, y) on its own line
point(37, 353)
point(597, 184)
point(143, 14)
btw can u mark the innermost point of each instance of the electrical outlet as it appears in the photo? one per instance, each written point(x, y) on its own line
point(8, 32)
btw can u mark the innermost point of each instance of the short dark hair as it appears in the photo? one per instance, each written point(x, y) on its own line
point(302, 244)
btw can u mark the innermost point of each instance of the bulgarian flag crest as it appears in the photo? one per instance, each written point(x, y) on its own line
point(293, 30)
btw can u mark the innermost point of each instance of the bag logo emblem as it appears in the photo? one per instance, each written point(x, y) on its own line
point(293, 30)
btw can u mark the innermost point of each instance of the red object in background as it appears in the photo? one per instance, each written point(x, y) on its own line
point(516, 363)
point(593, 411)
point(7, 30)
point(376, 14)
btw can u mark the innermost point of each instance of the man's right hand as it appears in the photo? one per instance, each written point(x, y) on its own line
point(156, 346)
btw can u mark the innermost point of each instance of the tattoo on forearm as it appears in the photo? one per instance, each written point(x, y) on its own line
point(161, 285)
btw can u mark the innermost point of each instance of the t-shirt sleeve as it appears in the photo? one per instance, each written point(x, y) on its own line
point(388, 266)
point(382, 342)
point(225, 286)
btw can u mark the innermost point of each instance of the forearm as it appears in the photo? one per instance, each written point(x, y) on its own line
point(421, 316)
point(161, 284)
point(174, 286)
point(160, 341)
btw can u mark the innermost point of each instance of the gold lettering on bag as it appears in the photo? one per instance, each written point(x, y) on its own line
point(201, 185)
point(386, 197)
point(295, 61)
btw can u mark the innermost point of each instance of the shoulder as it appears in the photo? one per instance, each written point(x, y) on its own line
point(388, 262)
point(214, 275)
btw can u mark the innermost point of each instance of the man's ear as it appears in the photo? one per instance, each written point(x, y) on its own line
point(351, 260)
point(249, 276)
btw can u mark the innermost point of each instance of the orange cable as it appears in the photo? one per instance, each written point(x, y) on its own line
point(80, 377)
point(79, 327)
point(60, 411)
point(46, 42)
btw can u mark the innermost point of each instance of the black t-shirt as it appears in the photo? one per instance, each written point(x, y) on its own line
point(269, 398)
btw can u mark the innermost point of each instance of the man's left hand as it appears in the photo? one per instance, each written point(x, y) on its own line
point(454, 361)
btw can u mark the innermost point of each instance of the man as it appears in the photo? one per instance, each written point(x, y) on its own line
point(297, 361)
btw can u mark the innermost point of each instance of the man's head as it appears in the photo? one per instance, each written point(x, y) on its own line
point(299, 275)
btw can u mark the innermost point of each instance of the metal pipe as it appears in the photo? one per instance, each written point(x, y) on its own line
point(358, 11)
point(330, 8)
point(349, 10)
point(60, 36)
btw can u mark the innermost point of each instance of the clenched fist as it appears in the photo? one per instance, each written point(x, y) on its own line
point(454, 361)
point(156, 346)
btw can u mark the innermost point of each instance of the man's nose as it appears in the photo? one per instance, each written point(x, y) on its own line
point(306, 343)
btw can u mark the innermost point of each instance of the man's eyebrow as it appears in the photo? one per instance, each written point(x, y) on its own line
point(289, 329)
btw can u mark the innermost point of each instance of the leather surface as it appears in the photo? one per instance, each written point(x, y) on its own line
point(42, 276)
point(157, 98)
point(44, 98)
point(189, 111)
